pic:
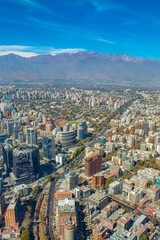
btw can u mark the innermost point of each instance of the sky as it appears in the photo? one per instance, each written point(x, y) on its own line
point(32, 27)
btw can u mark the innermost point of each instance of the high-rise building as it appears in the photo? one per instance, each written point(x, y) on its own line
point(93, 164)
point(16, 129)
point(7, 151)
point(48, 147)
point(21, 137)
point(10, 126)
point(31, 136)
point(4, 107)
point(71, 180)
point(26, 164)
point(82, 131)
point(12, 212)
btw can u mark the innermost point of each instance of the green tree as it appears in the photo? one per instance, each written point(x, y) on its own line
point(50, 178)
point(154, 221)
point(96, 221)
point(36, 189)
point(144, 237)
point(25, 235)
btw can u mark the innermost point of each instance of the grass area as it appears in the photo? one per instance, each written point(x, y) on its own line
point(70, 123)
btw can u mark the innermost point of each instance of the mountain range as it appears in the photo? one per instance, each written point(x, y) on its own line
point(81, 68)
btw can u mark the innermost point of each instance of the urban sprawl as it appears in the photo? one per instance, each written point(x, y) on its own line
point(79, 164)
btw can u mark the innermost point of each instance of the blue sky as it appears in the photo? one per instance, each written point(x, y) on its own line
point(31, 27)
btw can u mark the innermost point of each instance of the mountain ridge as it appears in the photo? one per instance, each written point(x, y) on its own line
point(92, 66)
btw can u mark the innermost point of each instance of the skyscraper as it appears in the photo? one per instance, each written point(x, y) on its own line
point(26, 164)
point(82, 131)
point(31, 136)
point(48, 147)
point(71, 180)
point(7, 151)
point(10, 126)
point(93, 164)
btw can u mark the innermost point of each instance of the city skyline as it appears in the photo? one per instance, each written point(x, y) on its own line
point(31, 27)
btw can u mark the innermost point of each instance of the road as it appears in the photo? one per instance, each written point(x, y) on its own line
point(50, 208)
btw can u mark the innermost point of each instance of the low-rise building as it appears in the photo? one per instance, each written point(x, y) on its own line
point(154, 193)
point(98, 199)
point(63, 193)
point(115, 187)
point(124, 222)
point(109, 209)
point(135, 195)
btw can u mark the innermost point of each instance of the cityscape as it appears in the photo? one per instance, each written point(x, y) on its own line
point(79, 120)
point(79, 164)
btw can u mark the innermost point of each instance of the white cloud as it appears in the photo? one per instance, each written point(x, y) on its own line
point(106, 41)
point(29, 51)
point(22, 54)
point(67, 50)
point(14, 47)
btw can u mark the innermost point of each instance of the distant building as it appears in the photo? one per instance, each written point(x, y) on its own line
point(48, 144)
point(71, 180)
point(93, 164)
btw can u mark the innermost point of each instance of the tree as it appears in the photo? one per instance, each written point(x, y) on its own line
point(110, 180)
point(25, 235)
point(96, 221)
point(144, 237)
point(50, 178)
point(42, 217)
point(154, 222)
point(135, 205)
point(36, 189)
